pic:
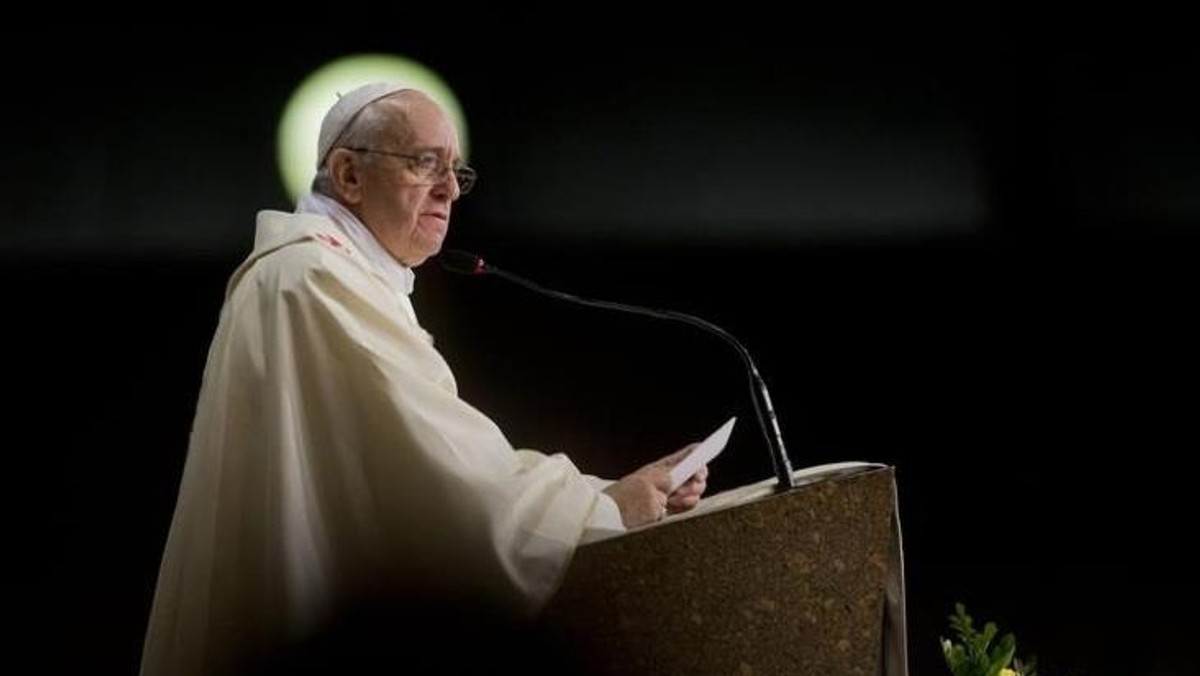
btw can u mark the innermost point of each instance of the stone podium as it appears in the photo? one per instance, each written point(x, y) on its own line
point(753, 581)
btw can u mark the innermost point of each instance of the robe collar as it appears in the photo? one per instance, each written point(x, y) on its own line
point(399, 276)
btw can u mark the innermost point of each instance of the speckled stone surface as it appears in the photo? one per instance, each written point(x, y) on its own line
point(783, 583)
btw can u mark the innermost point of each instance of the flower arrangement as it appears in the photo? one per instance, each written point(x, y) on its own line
point(974, 653)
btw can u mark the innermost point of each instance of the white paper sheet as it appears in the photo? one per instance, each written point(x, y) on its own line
point(703, 452)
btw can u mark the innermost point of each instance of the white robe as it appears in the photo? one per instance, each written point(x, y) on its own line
point(331, 459)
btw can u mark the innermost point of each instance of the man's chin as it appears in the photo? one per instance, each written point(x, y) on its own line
point(418, 257)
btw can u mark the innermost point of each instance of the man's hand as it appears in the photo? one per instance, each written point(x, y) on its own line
point(643, 495)
point(688, 495)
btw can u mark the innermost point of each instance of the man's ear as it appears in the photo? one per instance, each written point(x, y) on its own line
point(346, 175)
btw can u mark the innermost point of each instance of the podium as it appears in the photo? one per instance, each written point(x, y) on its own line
point(753, 581)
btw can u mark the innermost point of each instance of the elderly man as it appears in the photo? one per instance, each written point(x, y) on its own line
point(332, 466)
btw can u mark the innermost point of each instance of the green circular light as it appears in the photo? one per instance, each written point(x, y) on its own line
point(301, 122)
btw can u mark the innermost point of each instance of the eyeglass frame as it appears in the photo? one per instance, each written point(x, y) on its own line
point(464, 176)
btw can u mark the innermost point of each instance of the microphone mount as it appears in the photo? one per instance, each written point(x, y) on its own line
point(470, 264)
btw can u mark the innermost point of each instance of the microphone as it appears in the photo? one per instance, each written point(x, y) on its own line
point(466, 263)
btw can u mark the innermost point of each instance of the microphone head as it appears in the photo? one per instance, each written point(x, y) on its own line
point(462, 262)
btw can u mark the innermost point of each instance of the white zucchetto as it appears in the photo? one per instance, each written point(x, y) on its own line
point(348, 106)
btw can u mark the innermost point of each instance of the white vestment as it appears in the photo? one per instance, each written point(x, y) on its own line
point(331, 459)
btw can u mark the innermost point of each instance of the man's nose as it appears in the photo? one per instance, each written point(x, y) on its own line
point(447, 187)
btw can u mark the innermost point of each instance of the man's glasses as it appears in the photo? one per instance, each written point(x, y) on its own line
point(430, 168)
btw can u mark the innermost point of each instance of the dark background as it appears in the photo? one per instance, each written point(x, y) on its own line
point(959, 242)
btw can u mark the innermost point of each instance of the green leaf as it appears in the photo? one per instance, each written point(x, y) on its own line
point(974, 654)
point(1004, 649)
point(960, 621)
point(1001, 657)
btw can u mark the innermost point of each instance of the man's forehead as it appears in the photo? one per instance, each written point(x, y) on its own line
point(431, 129)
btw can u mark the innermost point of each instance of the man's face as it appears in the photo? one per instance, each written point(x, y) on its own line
point(410, 213)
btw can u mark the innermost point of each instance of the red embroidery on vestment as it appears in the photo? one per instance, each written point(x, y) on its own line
point(330, 240)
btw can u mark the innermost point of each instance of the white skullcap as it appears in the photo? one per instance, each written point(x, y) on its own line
point(348, 106)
